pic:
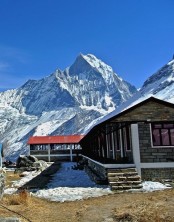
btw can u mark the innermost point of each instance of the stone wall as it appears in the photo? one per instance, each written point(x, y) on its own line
point(148, 154)
point(96, 168)
point(150, 110)
point(155, 174)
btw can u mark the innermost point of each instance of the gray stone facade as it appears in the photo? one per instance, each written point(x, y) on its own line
point(149, 154)
point(157, 173)
point(151, 110)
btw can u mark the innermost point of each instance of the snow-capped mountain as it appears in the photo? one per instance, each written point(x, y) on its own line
point(63, 103)
point(161, 84)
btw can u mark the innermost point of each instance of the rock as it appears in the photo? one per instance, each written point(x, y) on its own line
point(2, 183)
point(9, 219)
point(40, 165)
point(30, 163)
point(26, 161)
point(25, 173)
point(32, 158)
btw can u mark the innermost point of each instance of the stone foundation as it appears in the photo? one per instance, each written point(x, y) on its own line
point(157, 173)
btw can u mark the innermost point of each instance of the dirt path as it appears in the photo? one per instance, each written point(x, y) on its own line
point(123, 207)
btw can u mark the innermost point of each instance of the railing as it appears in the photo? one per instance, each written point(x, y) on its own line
point(56, 154)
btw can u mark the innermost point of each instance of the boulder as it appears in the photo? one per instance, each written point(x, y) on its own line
point(26, 161)
point(30, 163)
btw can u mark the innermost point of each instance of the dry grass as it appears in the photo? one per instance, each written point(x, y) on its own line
point(10, 177)
point(22, 198)
point(143, 211)
point(119, 207)
point(123, 207)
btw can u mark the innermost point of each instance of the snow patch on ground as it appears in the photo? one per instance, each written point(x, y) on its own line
point(150, 186)
point(62, 194)
point(70, 185)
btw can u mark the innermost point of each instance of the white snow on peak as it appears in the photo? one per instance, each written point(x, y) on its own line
point(171, 63)
point(98, 64)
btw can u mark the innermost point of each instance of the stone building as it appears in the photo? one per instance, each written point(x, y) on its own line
point(140, 137)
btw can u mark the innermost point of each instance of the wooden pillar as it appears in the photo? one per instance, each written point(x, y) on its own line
point(29, 149)
point(121, 143)
point(71, 157)
point(113, 146)
point(49, 152)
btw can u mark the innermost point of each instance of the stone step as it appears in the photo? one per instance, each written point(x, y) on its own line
point(115, 174)
point(139, 186)
point(124, 179)
point(134, 178)
point(127, 187)
point(122, 174)
point(130, 174)
point(119, 183)
point(115, 179)
point(121, 187)
point(125, 170)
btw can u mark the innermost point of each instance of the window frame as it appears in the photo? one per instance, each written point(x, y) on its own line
point(116, 139)
point(126, 139)
point(161, 128)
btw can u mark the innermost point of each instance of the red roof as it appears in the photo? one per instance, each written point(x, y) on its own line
point(55, 139)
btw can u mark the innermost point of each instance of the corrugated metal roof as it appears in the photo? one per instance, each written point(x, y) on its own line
point(55, 139)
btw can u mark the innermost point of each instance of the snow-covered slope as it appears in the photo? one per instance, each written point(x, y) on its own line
point(63, 103)
point(159, 85)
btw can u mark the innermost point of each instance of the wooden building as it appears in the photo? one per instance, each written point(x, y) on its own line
point(53, 148)
point(140, 137)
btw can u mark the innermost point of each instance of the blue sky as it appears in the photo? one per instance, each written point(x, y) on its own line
point(135, 37)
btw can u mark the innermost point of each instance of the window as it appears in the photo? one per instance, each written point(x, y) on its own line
point(126, 138)
point(162, 134)
point(117, 140)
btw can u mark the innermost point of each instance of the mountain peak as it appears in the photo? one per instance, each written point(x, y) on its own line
point(88, 62)
point(161, 83)
point(97, 63)
point(80, 65)
point(171, 62)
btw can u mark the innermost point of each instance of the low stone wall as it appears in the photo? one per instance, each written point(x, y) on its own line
point(96, 168)
point(2, 184)
point(157, 173)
